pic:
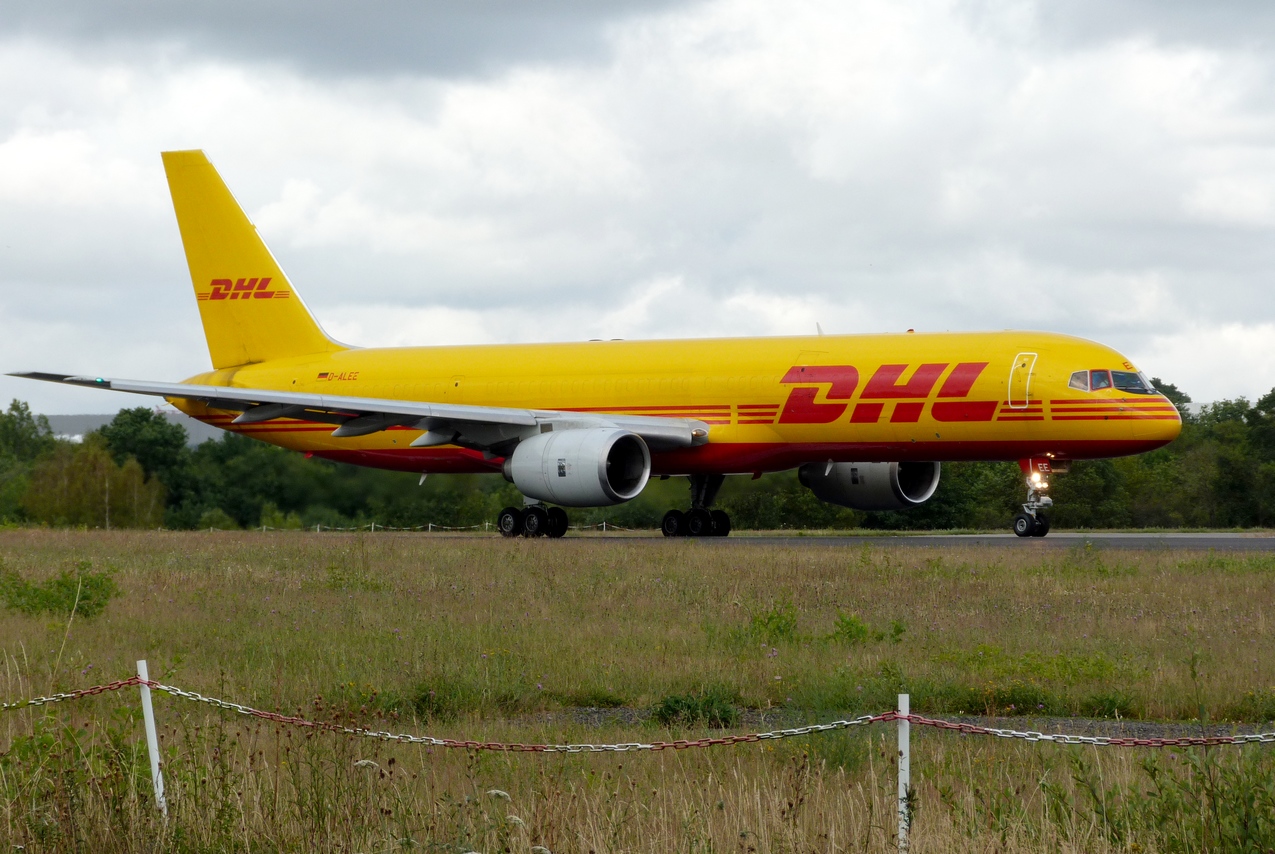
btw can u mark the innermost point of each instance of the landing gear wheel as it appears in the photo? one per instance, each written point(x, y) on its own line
point(1024, 525)
point(698, 523)
point(557, 522)
point(509, 522)
point(535, 521)
point(674, 524)
point(1042, 525)
point(721, 523)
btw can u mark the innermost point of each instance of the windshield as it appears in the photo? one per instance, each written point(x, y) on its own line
point(1131, 382)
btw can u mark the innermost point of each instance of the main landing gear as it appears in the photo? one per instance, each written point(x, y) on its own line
point(534, 520)
point(1033, 522)
point(699, 521)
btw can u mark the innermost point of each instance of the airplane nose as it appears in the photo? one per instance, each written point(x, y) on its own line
point(1161, 429)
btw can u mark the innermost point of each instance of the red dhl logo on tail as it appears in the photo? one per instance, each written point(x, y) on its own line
point(885, 385)
point(257, 288)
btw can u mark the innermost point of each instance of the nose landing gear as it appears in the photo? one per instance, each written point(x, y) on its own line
point(699, 521)
point(1033, 522)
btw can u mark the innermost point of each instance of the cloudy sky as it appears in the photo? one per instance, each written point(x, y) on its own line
point(438, 171)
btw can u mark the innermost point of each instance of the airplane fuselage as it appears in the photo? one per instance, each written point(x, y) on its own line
point(770, 403)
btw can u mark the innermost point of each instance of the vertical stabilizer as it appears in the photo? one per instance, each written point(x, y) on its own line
point(250, 311)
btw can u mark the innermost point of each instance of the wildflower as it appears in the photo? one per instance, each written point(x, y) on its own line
point(497, 793)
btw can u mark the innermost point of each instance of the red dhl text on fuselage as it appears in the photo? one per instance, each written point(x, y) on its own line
point(770, 403)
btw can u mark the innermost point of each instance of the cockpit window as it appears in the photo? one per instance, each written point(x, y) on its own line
point(1099, 380)
point(1131, 382)
point(1079, 381)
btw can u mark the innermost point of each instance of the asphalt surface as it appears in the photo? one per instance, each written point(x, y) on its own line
point(1056, 540)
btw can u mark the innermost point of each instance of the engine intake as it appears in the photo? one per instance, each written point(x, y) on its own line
point(871, 486)
point(589, 467)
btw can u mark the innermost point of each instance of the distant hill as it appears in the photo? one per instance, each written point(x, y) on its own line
point(74, 427)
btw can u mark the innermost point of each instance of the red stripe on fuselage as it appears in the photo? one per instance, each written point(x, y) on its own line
point(742, 458)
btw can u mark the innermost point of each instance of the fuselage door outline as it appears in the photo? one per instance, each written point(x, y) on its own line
point(1018, 393)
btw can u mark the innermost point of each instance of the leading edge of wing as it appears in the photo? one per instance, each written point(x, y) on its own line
point(358, 416)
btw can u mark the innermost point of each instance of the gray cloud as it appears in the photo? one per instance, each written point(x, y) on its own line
point(436, 37)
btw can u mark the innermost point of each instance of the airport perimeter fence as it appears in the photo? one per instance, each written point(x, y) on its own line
point(901, 715)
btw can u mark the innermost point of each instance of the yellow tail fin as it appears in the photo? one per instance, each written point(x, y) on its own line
point(251, 312)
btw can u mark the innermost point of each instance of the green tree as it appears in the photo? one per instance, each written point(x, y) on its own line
point(82, 485)
point(23, 436)
point(146, 436)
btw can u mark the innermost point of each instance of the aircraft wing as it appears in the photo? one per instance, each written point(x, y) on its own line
point(488, 428)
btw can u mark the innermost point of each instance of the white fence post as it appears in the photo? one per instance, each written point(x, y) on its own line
point(905, 771)
point(152, 740)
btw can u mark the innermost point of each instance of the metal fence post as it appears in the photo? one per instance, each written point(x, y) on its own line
point(905, 772)
point(152, 740)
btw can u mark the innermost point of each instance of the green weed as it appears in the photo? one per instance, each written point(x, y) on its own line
point(82, 592)
point(714, 708)
point(776, 625)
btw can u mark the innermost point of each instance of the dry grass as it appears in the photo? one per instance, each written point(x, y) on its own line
point(368, 625)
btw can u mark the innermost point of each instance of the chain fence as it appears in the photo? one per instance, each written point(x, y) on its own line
point(750, 738)
point(902, 716)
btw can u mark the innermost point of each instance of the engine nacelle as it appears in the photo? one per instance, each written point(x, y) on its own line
point(588, 467)
point(871, 486)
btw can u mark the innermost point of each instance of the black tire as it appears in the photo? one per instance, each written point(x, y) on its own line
point(558, 522)
point(721, 523)
point(509, 522)
point(1024, 524)
point(535, 521)
point(674, 524)
point(1042, 525)
point(698, 523)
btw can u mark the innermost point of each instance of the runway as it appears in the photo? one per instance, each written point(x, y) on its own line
point(1057, 540)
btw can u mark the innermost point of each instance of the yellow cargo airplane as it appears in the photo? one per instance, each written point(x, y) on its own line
point(867, 419)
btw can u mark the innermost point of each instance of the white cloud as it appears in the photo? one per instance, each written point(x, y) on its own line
point(730, 168)
point(1229, 360)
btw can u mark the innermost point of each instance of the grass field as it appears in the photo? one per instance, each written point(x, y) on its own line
point(485, 638)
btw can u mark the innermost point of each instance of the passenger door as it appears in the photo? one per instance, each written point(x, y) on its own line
point(1020, 380)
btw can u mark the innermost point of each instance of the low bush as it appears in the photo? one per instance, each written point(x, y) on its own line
point(82, 591)
point(714, 708)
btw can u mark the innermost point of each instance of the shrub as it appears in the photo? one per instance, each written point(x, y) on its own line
point(83, 592)
point(218, 519)
point(714, 708)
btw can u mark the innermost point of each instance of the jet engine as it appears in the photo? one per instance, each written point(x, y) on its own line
point(587, 467)
point(871, 486)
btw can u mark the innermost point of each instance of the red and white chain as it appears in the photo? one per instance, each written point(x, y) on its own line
point(863, 720)
point(71, 695)
point(1094, 740)
point(517, 747)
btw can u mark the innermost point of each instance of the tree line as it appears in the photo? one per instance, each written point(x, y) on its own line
point(138, 472)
